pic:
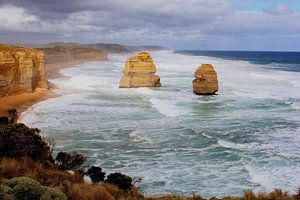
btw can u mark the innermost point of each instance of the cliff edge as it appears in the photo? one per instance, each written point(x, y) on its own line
point(63, 54)
point(22, 70)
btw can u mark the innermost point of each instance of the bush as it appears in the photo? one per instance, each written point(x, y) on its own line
point(13, 115)
point(120, 180)
point(24, 188)
point(48, 177)
point(96, 174)
point(52, 194)
point(4, 196)
point(18, 140)
point(89, 192)
point(69, 161)
point(4, 121)
point(5, 189)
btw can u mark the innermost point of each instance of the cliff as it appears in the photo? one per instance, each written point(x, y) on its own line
point(71, 53)
point(22, 70)
point(139, 71)
point(109, 48)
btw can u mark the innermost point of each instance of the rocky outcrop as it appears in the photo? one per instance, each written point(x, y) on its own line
point(22, 70)
point(139, 71)
point(63, 54)
point(206, 82)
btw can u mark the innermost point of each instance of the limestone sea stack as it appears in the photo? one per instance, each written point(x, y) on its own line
point(206, 82)
point(22, 70)
point(139, 71)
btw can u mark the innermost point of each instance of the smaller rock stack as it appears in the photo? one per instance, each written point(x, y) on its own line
point(139, 71)
point(206, 82)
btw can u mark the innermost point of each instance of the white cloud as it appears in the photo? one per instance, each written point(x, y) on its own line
point(16, 19)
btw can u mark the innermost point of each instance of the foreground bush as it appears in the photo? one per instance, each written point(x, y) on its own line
point(10, 168)
point(18, 140)
point(52, 193)
point(70, 184)
point(4, 120)
point(91, 192)
point(120, 180)
point(69, 161)
point(96, 174)
point(24, 188)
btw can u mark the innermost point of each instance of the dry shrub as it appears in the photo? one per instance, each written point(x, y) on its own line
point(249, 195)
point(110, 188)
point(9, 168)
point(279, 194)
point(48, 177)
point(89, 192)
point(176, 197)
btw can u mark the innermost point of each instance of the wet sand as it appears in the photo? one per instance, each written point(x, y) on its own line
point(21, 102)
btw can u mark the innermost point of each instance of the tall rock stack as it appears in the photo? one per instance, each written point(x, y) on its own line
point(139, 71)
point(22, 70)
point(206, 82)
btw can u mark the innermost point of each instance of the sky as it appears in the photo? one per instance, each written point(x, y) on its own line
point(272, 25)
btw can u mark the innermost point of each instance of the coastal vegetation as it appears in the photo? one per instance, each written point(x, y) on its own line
point(28, 170)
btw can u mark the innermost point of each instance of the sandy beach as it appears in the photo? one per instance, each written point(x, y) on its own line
point(20, 101)
point(23, 101)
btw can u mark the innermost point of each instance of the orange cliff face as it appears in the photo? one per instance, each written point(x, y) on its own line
point(22, 70)
point(64, 54)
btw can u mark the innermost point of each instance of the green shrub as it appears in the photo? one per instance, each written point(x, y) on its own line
point(52, 194)
point(120, 180)
point(24, 188)
point(4, 196)
point(18, 140)
point(6, 193)
point(5, 189)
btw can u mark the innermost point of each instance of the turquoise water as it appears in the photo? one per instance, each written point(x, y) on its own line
point(246, 137)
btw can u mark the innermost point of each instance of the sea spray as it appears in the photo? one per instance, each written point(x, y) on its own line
point(246, 137)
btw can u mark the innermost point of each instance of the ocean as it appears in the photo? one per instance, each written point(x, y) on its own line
point(247, 137)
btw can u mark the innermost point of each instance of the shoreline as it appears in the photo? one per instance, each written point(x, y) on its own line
point(21, 102)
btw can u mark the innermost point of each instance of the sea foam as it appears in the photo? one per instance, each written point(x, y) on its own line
point(246, 137)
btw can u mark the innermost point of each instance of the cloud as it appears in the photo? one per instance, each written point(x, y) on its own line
point(258, 23)
point(170, 23)
point(16, 19)
point(283, 9)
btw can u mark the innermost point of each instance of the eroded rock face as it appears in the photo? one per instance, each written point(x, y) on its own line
point(206, 82)
point(21, 70)
point(139, 71)
point(63, 54)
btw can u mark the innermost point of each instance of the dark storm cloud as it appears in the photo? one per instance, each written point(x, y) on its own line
point(172, 23)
